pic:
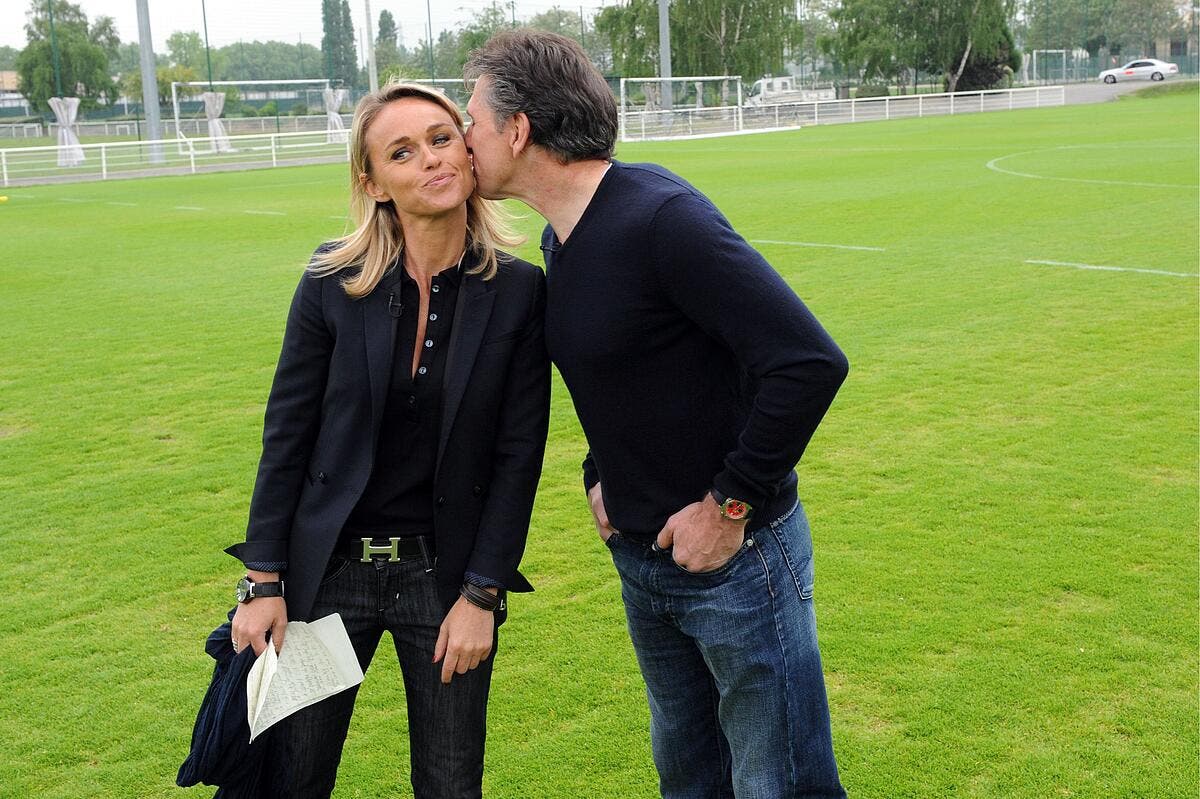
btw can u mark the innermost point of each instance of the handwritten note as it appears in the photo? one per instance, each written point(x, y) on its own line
point(317, 661)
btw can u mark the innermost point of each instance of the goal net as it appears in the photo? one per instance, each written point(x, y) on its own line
point(209, 122)
point(671, 108)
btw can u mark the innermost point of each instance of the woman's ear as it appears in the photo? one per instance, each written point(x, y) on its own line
point(371, 189)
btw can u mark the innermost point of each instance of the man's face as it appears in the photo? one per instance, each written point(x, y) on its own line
point(489, 143)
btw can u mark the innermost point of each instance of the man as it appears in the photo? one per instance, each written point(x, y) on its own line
point(698, 377)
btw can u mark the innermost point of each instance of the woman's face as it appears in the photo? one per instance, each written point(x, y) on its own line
point(418, 159)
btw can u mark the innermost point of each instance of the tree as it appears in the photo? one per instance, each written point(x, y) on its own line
point(956, 28)
point(882, 39)
point(267, 61)
point(708, 37)
point(631, 31)
point(387, 54)
point(573, 25)
point(337, 43)
point(186, 49)
point(131, 82)
point(8, 57)
point(874, 40)
point(83, 61)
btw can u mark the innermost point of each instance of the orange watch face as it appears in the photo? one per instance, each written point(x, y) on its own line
point(735, 509)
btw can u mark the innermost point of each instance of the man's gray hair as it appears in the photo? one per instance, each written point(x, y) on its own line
point(550, 79)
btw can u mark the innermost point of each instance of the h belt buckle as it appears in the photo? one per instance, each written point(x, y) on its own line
point(392, 550)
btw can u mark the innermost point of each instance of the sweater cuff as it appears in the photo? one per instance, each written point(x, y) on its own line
point(591, 475)
point(731, 486)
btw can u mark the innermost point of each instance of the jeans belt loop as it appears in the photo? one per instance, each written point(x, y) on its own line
point(425, 554)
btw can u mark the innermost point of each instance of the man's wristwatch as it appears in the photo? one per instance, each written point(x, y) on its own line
point(247, 590)
point(736, 509)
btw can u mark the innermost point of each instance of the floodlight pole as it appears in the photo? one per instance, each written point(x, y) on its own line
point(54, 48)
point(149, 82)
point(664, 54)
point(207, 55)
point(372, 74)
point(429, 31)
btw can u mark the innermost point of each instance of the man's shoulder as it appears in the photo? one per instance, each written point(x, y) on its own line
point(654, 178)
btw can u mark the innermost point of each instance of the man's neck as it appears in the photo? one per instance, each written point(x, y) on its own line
point(561, 192)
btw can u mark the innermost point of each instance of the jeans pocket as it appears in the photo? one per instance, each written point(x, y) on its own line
point(724, 567)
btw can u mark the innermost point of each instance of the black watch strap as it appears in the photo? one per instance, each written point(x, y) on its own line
point(248, 589)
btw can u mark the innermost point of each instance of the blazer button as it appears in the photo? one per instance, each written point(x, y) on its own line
point(321, 476)
point(440, 501)
point(477, 490)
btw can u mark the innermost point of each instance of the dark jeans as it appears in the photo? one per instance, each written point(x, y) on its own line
point(447, 723)
point(732, 671)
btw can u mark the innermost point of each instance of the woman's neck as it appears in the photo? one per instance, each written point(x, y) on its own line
point(433, 243)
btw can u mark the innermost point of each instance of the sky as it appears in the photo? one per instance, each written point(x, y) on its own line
point(230, 21)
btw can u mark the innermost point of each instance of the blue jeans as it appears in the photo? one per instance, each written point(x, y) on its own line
point(732, 671)
point(447, 723)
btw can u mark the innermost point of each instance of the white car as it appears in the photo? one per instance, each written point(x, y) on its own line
point(1140, 69)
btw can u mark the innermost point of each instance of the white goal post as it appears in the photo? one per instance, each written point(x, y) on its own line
point(323, 83)
point(683, 106)
point(1033, 67)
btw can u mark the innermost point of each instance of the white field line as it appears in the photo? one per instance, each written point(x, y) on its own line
point(994, 166)
point(258, 187)
point(816, 244)
point(126, 205)
point(265, 213)
point(72, 200)
point(1114, 268)
point(188, 208)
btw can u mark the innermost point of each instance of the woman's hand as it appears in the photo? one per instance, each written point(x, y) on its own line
point(465, 639)
point(254, 619)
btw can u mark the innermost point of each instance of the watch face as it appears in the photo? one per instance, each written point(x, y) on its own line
point(735, 509)
point(243, 589)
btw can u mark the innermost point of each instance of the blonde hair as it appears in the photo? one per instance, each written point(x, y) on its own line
point(378, 239)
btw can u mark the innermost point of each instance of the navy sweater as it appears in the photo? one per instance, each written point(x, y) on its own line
point(691, 363)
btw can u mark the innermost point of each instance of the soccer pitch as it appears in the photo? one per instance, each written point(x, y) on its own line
point(1003, 496)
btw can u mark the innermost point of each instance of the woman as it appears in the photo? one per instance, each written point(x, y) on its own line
point(402, 446)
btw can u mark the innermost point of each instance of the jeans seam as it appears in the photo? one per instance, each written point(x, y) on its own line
point(779, 636)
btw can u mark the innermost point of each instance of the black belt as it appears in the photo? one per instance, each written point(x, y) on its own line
point(394, 549)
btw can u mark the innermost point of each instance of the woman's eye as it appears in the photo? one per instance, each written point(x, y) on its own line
point(441, 138)
point(399, 154)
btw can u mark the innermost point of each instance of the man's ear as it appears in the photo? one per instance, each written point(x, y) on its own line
point(371, 189)
point(518, 133)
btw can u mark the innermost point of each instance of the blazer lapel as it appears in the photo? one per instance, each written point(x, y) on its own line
point(471, 315)
point(381, 316)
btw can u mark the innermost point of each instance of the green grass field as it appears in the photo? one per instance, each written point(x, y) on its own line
point(1003, 496)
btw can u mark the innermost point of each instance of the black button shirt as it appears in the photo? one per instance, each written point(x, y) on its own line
point(398, 500)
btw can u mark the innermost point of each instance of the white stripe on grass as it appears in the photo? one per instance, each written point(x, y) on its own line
point(188, 208)
point(994, 166)
point(265, 213)
point(816, 244)
point(1114, 268)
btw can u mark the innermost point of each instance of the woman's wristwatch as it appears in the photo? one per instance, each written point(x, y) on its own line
point(247, 590)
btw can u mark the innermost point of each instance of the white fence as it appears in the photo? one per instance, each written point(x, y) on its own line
point(23, 166)
point(21, 130)
point(681, 123)
point(199, 127)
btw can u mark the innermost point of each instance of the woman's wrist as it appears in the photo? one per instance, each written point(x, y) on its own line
point(488, 599)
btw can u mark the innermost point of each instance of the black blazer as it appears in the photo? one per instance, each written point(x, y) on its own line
point(323, 418)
